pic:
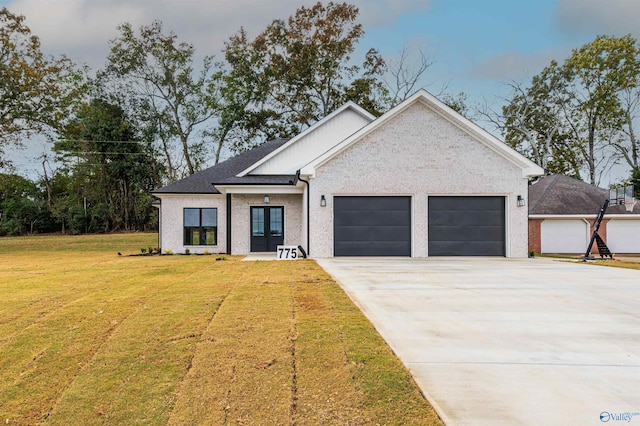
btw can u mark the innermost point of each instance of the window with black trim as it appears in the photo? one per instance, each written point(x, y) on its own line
point(200, 227)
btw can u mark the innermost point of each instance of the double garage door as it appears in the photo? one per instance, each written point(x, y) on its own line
point(381, 226)
point(572, 235)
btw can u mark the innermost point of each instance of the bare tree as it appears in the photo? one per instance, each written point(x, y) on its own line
point(407, 74)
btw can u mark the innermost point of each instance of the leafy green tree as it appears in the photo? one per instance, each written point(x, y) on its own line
point(66, 195)
point(23, 208)
point(625, 141)
point(635, 181)
point(174, 100)
point(595, 75)
point(533, 124)
point(244, 115)
point(458, 103)
point(296, 72)
point(578, 116)
point(36, 92)
point(110, 169)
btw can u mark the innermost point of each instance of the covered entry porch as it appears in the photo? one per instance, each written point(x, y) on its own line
point(259, 222)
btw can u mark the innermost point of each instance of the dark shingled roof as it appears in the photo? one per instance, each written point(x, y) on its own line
point(225, 172)
point(559, 194)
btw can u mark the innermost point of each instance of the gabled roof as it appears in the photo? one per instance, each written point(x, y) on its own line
point(348, 106)
point(528, 167)
point(563, 195)
point(202, 182)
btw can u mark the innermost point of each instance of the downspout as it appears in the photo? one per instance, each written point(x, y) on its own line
point(308, 205)
point(160, 227)
point(228, 223)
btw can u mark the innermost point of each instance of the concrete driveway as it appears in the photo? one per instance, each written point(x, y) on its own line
point(508, 342)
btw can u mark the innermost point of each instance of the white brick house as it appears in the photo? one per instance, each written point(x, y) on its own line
point(421, 180)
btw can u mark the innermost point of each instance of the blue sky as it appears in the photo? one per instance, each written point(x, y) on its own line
point(481, 44)
point(477, 44)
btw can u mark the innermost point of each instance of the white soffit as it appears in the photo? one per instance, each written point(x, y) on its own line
point(260, 189)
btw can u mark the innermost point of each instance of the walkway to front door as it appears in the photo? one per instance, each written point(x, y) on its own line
point(267, 228)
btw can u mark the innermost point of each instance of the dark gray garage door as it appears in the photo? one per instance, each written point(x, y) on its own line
point(372, 226)
point(466, 226)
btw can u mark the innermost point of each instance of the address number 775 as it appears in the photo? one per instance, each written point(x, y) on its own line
point(287, 252)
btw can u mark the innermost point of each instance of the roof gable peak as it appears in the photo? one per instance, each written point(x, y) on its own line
point(350, 105)
point(528, 167)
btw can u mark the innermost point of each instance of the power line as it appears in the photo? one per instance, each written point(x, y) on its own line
point(78, 153)
point(93, 141)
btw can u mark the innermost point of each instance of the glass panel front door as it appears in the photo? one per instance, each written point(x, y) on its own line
point(267, 228)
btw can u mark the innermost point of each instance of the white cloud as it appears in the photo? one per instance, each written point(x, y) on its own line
point(614, 17)
point(515, 65)
point(580, 20)
point(81, 28)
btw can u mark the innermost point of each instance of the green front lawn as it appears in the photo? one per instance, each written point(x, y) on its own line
point(90, 337)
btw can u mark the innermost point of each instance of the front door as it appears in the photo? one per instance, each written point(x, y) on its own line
point(267, 228)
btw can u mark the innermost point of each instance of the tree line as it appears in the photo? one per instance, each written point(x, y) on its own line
point(157, 111)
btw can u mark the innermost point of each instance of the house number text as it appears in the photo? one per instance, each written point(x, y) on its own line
point(287, 253)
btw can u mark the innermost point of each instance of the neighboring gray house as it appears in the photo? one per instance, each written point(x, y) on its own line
point(562, 211)
point(421, 180)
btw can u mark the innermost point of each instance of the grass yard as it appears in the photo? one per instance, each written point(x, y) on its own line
point(624, 261)
point(617, 263)
point(90, 337)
